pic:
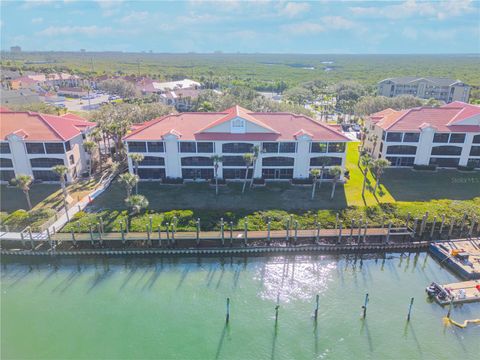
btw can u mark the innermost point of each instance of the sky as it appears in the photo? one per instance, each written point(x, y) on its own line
point(313, 27)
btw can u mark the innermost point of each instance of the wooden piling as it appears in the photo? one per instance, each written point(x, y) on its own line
point(73, 237)
point(433, 227)
point(296, 232)
point(336, 221)
point(173, 231)
point(22, 238)
point(422, 225)
point(364, 307)
point(198, 231)
point(351, 229)
point(340, 227)
point(245, 231)
point(101, 225)
point(410, 309)
point(227, 319)
point(464, 218)
point(287, 230)
point(383, 221)
point(315, 313)
point(276, 313)
point(148, 235)
point(222, 233)
point(472, 226)
point(160, 235)
point(167, 227)
point(365, 232)
point(99, 230)
point(268, 231)
point(122, 233)
point(231, 233)
point(441, 225)
point(408, 220)
point(360, 226)
point(389, 231)
point(450, 231)
point(91, 233)
point(318, 232)
point(414, 229)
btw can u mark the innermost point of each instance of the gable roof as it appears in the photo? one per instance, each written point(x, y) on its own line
point(444, 119)
point(192, 126)
point(439, 81)
point(40, 127)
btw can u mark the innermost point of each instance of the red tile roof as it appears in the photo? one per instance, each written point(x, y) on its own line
point(41, 127)
point(192, 126)
point(444, 119)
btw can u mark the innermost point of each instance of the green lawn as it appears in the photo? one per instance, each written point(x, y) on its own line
point(12, 199)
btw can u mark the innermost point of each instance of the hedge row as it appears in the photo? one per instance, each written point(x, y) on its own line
point(20, 219)
point(397, 213)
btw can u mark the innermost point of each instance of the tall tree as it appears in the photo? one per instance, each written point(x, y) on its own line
point(61, 171)
point(23, 183)
point(136, 158)
point(96, 136)
point(366, 161)
point(378, 167)
point(314, 173)
point(248, 158)
point(336, 173)
point(217, 159)
point(374, 140)
point(256, 153)
point(325, 162)
point(89, 147)
point(128, 180)
point(135, 203)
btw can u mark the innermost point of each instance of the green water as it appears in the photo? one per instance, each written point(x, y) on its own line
point(175, 309)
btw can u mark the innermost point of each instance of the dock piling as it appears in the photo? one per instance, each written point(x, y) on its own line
point(410, 309)
point(160, 235)
point(276, 313)
point(336, 221)
point(198, 231)
point(73, 237)
point(296, 232)
point(167, 228)
point(351, 229)
point(364, 307)
point(340, 227)
point(91, 233)
point(365, 232)
point(99, 230)
point(122, 233)
point(148, 235)
point(315, 314)
point(414, 229)
point(407, 222)
point(433, 227)
point(389, 231)
point(472, 226)
point(227, 318)
point(222, 232)
point(360, 225)
point(441, 225)
point(450, 231)
point(287, 231)
point(268, 231)
point(464, 218)
point(245, 231)
point(317, 237)
point(231, 233)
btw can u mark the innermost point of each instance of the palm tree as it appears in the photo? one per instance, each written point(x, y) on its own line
point(314, 173)
point(366, 161)
point(96, 136)
point(206, 106)
point(364, 134)
point(217, 159)
point(136, 203)
point(378, 167)
point(256, 152)
point(325, 162)
point(374, 139)
point(23, 183)
point(61, 171)
point(248, 158)
point(336, 172)
point(136, 158)
point(129, 180)
point(89, 146)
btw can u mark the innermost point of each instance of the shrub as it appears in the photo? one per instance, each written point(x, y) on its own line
point(301, 181)
point(170, 180)
point(466, 168)
point(425, 167)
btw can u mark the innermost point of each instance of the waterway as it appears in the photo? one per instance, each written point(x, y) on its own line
point(174, 308)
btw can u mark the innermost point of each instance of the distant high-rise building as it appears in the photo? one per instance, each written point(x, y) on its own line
point(444, 89)
point(15, 49)
point(82, 50)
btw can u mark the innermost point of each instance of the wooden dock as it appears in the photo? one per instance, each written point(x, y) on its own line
point(461, 292)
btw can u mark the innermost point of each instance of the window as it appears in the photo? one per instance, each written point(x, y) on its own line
point(197, 161)
point(237, 126)
point(475, 151)
point(233, 161)
point(394, 136)
point(35, 148)
point(197, 173)
point(71, 158)
point(188, 147)
point(402, 149)
point(68, 146)
point(270, 147)
point(277, 173)
point(54, 148)
point(401, 161)
point(278, 161)
point(444, 162)
point(288, 147)
point(457, 138)
point(45, 175)
point(205, 147)
point(4, 148)
point(6, 163)
point(137, 147)
point(446, 150)
point(336, 147)
point(237, 148)
point(152, 161)
point(45, 162)
point(325, 161)
point(440, 138)
point(6, 175)
point(383, 135)
point(476, 139)
point(474, 162)
point(318, 147)
point(411, 137)
point(155, 146)
point(151, 174)
point(236, 173)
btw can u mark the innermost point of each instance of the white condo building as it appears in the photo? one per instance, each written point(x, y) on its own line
point(181, 145)
point(447, 136)
point(32, 143)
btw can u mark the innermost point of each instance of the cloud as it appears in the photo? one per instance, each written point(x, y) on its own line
point(410, 33)
point(439, 10)
point(37, 20)
point(110, 7)
point(337, 23)
point(325, 23)
point(293, 9)
point(134, 16)
point(303, 28)
point(76, 30)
